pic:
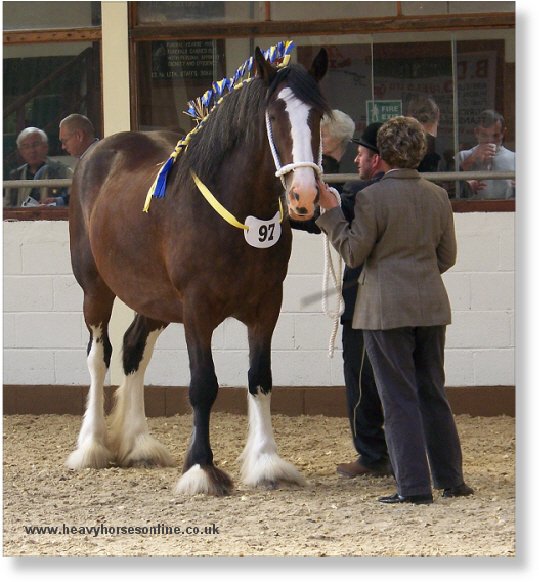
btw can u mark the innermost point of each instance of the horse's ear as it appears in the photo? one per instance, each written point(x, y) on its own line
point(320, 65)
point(263, 68)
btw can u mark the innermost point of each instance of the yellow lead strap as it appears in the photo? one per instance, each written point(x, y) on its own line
point(220, 209)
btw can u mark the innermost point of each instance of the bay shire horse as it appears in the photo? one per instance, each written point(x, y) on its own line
point(182, 262)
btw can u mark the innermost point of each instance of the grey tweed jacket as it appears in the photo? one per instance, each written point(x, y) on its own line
point(403, 234)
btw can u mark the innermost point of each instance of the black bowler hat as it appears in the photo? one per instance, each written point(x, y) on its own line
point(368, 137)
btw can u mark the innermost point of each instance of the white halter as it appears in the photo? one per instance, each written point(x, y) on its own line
point(329, 269)
point(282, 170)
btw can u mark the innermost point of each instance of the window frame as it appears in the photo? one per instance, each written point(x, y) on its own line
point(13, 37)
point(267, 27)
point(378, 25)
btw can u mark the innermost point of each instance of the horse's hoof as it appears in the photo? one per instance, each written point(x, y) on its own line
point(264, 469)
point(90, 456)
point(206, 479)
point(143, 464)
point(146, 452)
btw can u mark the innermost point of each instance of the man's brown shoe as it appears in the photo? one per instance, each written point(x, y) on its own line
point(356, 469)
point(461, 490)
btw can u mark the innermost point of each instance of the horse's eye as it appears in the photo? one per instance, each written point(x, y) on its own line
point(272, 118)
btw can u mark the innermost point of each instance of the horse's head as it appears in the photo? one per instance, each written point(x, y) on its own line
point(293, 112)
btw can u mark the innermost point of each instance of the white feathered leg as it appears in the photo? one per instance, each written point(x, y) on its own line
point(262, 466)
point(130, 437)
point(91, 451)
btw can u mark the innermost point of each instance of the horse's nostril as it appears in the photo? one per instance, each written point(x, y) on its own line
point(295, 196)
point(301, 210)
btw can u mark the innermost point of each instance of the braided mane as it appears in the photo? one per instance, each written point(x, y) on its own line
point(239, 118)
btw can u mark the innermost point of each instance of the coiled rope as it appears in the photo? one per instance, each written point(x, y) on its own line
point(336, 279)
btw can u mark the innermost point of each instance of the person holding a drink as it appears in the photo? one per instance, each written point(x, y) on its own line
point(491, 155)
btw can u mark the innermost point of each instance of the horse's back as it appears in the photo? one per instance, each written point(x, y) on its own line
point(127, 155)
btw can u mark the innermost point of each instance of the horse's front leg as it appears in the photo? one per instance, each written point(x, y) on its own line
point(200, 475)
point(262, 466)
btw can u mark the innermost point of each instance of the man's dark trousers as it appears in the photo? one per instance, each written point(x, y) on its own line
point(408, 363)
point(364, 406)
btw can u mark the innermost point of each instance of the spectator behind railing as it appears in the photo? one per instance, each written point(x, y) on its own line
point(33, 146)
point(489, 154)
point(427, 112)
point(336, 131)
point(77, 135)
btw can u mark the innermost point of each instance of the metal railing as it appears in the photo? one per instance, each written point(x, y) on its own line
point(335, 178)
point(57, 183)
point(464, 202)
point(433, 176)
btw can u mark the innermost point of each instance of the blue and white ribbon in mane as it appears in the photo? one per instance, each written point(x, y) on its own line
point(200, 108)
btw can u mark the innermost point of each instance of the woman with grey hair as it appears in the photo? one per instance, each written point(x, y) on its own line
point(404, 236)
point(336, 131)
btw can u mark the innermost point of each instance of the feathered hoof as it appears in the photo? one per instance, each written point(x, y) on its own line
point(269, 471)
point(93, 455)
point(206, 479)
point(146, 452)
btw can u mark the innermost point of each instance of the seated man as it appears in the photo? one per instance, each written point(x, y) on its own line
point(489, 155)
point(33, 146)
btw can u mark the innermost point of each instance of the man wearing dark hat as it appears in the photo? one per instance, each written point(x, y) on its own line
point(364, 407)
point(363, 403)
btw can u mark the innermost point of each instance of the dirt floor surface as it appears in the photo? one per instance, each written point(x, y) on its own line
point(94, 509)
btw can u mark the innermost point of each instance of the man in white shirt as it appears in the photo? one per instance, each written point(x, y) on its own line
point(489, 155)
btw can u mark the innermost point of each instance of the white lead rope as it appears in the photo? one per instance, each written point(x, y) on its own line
point(336, 278)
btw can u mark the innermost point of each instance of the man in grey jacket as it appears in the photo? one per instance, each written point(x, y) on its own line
point(404, 236)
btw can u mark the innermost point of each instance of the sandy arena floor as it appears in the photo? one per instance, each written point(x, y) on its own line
point(332, 516)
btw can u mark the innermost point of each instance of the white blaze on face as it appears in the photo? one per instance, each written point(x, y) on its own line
point(298, 114)
point(303, 178)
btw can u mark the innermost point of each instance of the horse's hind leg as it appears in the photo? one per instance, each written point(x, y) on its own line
point(199, 473)
point(262, 466)
point(130, 437)
point(91, 448)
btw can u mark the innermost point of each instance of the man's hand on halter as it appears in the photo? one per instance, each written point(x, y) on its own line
point(328, 199)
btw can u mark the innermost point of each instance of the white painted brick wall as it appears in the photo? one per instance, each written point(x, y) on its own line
point(45, 337)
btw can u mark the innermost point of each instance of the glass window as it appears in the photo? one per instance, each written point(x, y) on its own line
point(420, 8)
point(219, 11)
point(172, 72)
point(414, 77)
point(444, 79)
point(460, 7)
point(486, 112)
point(42, 15)
point(331, 10)
point(44, 82)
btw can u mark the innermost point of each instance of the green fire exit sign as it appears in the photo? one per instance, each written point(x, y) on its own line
point(382, 110)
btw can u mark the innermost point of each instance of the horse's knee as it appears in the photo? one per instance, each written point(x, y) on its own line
point(203, 389)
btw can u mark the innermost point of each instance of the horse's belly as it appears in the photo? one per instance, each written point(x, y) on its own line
point(139, 279)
